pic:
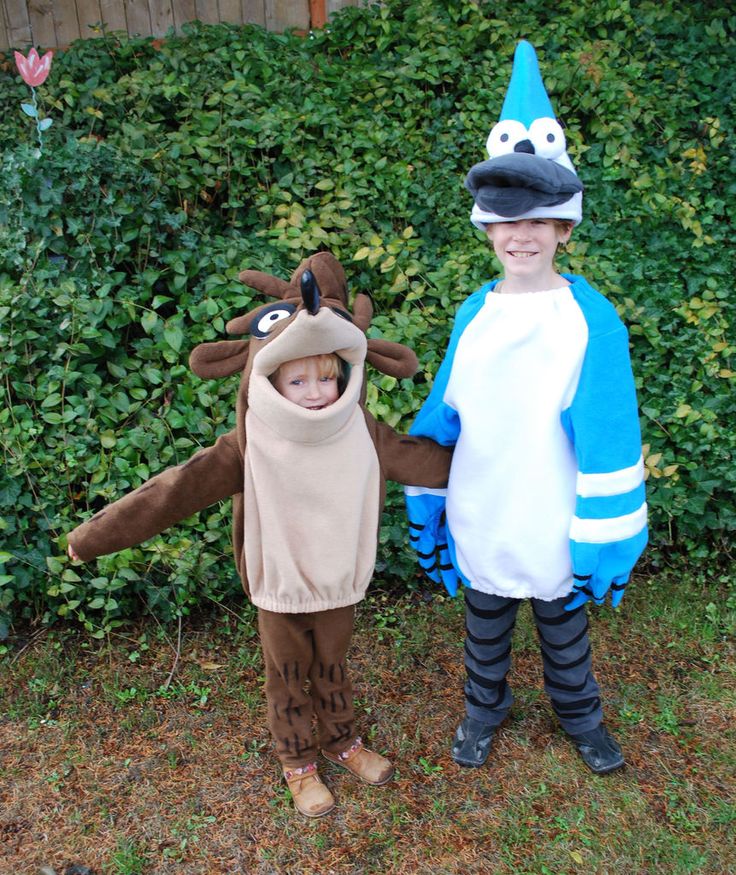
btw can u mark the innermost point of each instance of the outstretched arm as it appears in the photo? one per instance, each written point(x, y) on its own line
point(209, 476)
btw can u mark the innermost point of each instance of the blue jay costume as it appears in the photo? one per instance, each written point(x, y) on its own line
point(545, 498)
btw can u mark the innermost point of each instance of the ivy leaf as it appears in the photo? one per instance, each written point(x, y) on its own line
point(174, 337)
point(149, 321)
point(54, 565)
point(240, 183)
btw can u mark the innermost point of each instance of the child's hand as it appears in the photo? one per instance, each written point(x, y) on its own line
point(71, 554)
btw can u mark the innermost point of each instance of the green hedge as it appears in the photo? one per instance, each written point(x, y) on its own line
point(171, 166)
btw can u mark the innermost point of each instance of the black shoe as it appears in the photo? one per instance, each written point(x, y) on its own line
point(472, 742)
point(599, 750)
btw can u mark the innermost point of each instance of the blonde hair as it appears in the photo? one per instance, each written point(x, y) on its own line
point(330, 365)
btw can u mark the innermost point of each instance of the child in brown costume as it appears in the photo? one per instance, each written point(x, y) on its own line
point(308, 487)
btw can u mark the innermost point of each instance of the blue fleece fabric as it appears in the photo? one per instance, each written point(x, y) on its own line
point(608, 530)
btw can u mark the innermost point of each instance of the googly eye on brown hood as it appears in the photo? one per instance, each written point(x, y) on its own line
point(322, 273)
point(267, 318)
point(337, 458)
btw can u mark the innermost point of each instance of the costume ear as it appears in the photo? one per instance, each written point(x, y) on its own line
point(219, 359)
point(362, 311)
point(264, 282)
point(241, 324)
point(392, 358)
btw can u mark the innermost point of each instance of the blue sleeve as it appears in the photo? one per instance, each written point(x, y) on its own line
point(609, 530)
point(436, 419)
point(428, 533)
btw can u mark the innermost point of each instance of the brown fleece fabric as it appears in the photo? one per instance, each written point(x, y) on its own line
point(306, 676)
point(216, 473)
point(307, 639)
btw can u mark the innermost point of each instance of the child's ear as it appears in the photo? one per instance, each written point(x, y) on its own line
point(564, 232)
point(219, 359)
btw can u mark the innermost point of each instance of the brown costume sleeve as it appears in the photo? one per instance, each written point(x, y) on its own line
point(415, 461)
point(175, 494)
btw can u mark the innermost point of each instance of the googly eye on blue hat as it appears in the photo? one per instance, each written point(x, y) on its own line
point(528, 174)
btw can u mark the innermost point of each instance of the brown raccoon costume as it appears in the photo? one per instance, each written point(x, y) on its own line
point(308, 488)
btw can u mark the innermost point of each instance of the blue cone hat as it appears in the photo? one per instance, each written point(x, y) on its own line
point(528, 174)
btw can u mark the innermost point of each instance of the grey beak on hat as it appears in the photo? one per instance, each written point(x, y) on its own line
point(528, 173)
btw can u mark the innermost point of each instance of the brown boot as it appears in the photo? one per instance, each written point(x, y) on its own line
point(311, 797)
point(365, 764)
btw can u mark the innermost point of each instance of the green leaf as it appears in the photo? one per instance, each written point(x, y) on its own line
point(108, 439)
point(108, 243)
point(149, 321)
point(54, 565)
point(174, 337)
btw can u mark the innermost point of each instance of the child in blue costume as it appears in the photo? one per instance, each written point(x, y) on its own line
point(545, 498)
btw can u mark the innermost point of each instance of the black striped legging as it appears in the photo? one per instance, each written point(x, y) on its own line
point(568, 679)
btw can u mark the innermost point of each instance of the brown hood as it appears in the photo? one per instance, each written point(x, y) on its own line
point(285, 325)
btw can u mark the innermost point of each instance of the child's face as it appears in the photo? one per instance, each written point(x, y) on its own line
point(305, 382)
point(527, 248)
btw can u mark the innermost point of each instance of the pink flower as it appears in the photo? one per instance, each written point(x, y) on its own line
point(33, 70)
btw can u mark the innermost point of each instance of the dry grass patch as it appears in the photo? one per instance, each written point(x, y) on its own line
point(106, 767)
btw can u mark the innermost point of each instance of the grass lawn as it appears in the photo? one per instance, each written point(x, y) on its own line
point(119, 758)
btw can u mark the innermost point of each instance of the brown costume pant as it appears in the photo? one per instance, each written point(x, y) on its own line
point(306, 677)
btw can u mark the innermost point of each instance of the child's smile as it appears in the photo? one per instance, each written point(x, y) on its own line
point(526, 249)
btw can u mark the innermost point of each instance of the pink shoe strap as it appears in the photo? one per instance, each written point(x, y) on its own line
point(354, 748)
point(300, 772)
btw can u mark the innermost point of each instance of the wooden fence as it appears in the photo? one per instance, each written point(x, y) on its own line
point(50, 24)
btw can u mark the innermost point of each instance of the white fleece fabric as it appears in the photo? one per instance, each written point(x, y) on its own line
point(528, 346)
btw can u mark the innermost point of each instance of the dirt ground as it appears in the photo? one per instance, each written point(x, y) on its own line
point(105, 769)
